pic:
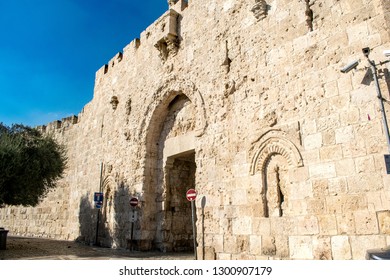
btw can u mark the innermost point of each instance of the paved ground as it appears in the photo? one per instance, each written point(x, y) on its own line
point(24, 248)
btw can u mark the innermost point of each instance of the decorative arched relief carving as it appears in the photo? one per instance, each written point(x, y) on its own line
point(164, 96)
point(274, 145)
point(108, 185)
point(272, 157)
point(107, 221)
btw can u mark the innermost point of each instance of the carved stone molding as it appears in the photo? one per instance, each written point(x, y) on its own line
point(128, 106)
point(167, 46)
point(272, 157)
point(165, 94)
point(271, 144)
point(168, 43)
point(172, 2)
point(114, 102)
point(260, 9)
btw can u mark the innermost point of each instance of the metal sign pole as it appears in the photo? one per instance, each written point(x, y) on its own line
point(191, 196)
point(98, 209)
point(97, 226)
point(132, 231)
point(193, 226)
point(133, 204)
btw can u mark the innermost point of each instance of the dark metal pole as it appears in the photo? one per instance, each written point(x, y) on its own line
point(131, 232)
point(193, 226)
point(203, 205)
point(98, 213)
point(378, 90)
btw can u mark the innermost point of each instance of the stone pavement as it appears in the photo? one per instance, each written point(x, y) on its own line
point(26, 248)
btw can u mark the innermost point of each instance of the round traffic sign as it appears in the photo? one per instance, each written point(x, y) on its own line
point(134, 201)
point(191, 194)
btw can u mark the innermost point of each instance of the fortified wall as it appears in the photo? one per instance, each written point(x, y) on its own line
point(245, 102)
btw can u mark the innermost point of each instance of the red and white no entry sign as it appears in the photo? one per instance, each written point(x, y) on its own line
point(191, 194)
point(134, 201)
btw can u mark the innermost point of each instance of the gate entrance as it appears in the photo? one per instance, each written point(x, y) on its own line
point(180, 176)
point(172, 172)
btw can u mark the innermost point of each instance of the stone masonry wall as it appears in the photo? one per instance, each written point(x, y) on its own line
point(288, 150)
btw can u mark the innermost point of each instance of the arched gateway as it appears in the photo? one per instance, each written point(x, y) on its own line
point(177, 119)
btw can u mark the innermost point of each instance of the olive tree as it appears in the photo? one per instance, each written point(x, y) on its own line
point(30, 165)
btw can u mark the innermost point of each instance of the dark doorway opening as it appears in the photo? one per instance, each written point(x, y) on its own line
point(180, 176)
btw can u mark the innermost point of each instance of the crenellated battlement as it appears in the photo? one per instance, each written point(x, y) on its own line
point(162, 34)
point(64, 123)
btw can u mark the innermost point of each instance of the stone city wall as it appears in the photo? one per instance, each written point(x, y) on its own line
point(245, 101)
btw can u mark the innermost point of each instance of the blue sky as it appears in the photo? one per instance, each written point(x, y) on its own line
point(51, 49)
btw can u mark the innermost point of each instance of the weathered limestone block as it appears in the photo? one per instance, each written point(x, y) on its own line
point(281, 224)
point(255, 244)
point(224, 256)
point(366, 222)
point(316, 206)
point(365, 182)
point(307, 225)
point(384, 222)
point(268, 246)
point(355, 148)
point(261, 226)
point(357, 31)
point(298, 207)
point(301, 247)
point(360, 244)
point(207, 254)
point(322, 248)
point(328, 225)
point(331, 153)
point(236, 244)
point(337, 186)
point(301, 190)
point(320, 187)
point(328, 122)
point(344, 135)
point(243, 225)
point(298, 174)
point(322, 170)
point(345, 167)
point(341, 248)
point(346, 223)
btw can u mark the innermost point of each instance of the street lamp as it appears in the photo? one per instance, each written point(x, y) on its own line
point(366, 52)
point(353, 65)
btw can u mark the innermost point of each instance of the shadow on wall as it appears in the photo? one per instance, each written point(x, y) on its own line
point(87, 220)
point(114, 226)
point(122, 215)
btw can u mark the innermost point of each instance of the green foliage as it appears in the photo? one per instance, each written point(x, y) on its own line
point(30, 165)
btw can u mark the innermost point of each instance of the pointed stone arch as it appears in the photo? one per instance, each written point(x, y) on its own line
point(163, 97)
point(165, 155)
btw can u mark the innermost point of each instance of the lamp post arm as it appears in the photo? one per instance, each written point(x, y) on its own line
point(379, 94)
